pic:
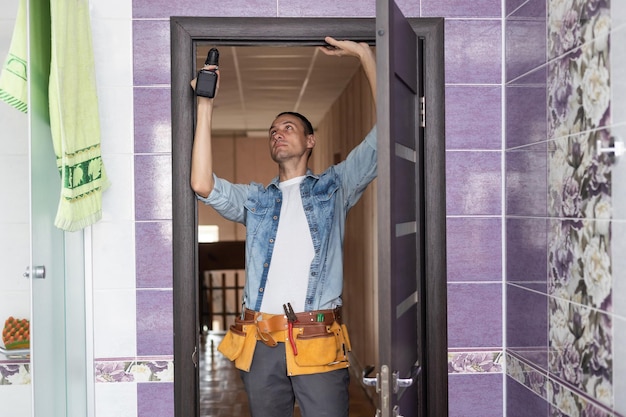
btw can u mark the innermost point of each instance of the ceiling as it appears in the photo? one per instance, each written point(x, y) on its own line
point(258, 82)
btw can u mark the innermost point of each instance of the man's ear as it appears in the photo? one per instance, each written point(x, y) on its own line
point(310, 141)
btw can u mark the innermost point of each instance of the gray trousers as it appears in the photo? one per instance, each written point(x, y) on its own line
point(271, 392)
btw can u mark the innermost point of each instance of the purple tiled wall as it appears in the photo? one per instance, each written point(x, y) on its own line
point(557, 226)
point(466, 126)
point(473, 68)
point(155, 400)
point(476, 395)
point(473, 245)
point(522, 402)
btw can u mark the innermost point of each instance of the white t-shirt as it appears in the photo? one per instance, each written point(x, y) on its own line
point(288, 276)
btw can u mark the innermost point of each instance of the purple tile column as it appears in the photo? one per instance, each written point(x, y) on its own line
point(473, 183)
point(522, 402)
point(526, 39)
point(163, 9)
point(473, 53)
point(474, 315)
point(461, 8)
point(151, 59)
point(527, 325)
point(153, 188)
point(155, 399)
point(526, 109)
point(527, 181)
point(153, 119)
point(475, 395)
point(527, 253)
point(153, 254)
point(473, 117)
point(155, 323)
point(474, 248)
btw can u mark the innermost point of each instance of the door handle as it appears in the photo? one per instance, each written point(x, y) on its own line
point(370, 382)
point(405, 382)
point(38, 272)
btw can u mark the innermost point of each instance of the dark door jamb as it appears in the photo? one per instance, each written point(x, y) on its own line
point(185, 32)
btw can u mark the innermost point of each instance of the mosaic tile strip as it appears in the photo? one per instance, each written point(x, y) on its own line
point(134, 370)
point(15, 373)
point(475, 362)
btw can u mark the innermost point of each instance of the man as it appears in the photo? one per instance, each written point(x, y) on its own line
point(290, 342)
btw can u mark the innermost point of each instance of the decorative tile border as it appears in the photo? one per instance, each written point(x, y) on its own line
point(14, 373)
point(564, 401)
point(134, 370)
point(106, 370)
point(475, 362)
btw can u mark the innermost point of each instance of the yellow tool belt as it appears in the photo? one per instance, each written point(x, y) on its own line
point(321, 339)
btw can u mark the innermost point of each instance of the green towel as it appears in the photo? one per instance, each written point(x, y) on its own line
point(13, 84)
point(74, 118)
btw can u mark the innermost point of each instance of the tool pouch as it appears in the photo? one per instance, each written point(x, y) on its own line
point(319, 344)
point(239, 343)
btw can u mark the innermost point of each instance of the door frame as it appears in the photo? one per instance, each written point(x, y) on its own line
point(184, 33)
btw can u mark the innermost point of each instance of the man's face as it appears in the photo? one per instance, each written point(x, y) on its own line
point(287, 139)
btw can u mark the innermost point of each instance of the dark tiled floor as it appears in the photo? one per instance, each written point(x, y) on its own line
point(222, 393)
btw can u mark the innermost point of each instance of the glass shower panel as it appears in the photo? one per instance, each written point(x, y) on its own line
point(48, 356)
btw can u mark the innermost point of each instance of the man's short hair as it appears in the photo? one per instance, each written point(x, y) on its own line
point(308, 127)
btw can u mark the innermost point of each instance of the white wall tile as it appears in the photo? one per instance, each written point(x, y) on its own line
point(14, 132)
point(114, 255)
point(14, 257)
point(116, 399)
point(14, 303)
point(118, 199)
point(618, 14)
point(115, 324)
point(618, 248)
point(9, 9)
point(618, 76)
point(116, 119)
point(113, 46)
point(111, 9)
point(14, 172)
point(16, 400)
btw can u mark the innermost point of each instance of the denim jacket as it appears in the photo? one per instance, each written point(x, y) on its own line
point(326, 199)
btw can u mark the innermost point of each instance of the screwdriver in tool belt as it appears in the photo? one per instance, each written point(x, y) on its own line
point(291, 319)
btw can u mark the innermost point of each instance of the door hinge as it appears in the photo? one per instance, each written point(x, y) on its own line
point(422, 111)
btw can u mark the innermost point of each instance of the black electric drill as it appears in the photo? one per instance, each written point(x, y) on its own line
point(207, 79)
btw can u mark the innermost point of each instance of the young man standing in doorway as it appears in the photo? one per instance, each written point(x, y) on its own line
point(290, 342)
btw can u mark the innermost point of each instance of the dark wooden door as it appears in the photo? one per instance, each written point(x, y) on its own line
point(412, 365)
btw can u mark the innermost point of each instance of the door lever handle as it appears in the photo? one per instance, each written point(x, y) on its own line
point(371, 382)
point(405, 382)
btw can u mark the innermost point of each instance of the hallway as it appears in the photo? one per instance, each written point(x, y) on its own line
point(222, 393)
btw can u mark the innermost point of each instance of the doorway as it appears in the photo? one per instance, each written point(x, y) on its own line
point(185, 32)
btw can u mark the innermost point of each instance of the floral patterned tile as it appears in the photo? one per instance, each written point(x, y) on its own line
point(578, 93)
point(572, 23)
point(579, 180)
point(14, 373)
point(580, 262)
point(581, 349)
point(134, 371)
point(475, 362)
point(566, 403)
